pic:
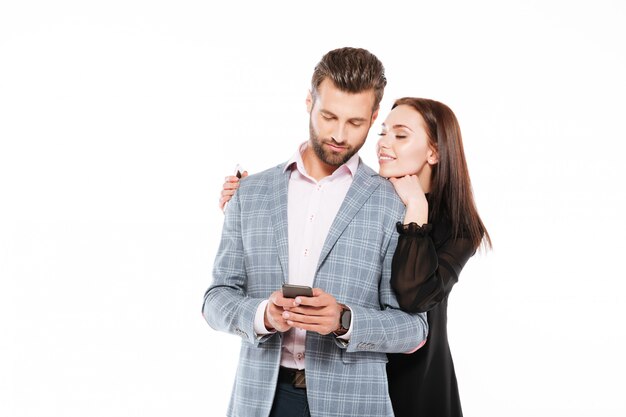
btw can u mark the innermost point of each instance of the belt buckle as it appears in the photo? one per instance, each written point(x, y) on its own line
point(299, 379)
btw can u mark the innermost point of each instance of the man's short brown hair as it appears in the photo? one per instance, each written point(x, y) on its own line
point(353, 70)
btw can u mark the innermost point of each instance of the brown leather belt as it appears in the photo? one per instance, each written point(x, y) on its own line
point(292, 376)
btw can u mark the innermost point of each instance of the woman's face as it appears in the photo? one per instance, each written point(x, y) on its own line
point(403, 147)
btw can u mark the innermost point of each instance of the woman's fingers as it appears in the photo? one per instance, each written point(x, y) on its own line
point(231, 184)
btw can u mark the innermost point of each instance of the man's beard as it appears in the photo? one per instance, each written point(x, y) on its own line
point(328, 157)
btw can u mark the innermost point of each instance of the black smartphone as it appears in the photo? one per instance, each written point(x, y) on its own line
point(238, 171)
point(292, 291)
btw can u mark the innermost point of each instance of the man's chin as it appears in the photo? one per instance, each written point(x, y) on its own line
point(335, 159)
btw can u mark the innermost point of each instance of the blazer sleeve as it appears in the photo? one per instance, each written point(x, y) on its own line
point(388, 329)
point(227, 306)
point(422, 274)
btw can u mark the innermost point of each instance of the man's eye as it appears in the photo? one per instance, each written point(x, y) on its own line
point(356, 124)
point(400, 136)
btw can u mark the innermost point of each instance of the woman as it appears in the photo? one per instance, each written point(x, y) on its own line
point(421, 151)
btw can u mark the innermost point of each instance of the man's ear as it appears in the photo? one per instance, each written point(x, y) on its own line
point(375, 115)
point(309, 102)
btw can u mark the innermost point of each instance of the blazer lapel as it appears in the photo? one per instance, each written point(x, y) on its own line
point(278, 213)
point(362, 187)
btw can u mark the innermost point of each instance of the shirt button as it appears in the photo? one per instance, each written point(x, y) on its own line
point(300, 356)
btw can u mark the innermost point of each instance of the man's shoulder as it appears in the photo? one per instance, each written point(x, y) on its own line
point(263, 178)
point(385, 187)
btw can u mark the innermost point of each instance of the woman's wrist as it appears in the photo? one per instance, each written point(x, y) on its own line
point(416, 211)
point(414, 215)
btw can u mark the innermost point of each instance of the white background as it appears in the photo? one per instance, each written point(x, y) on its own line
point(119, 120)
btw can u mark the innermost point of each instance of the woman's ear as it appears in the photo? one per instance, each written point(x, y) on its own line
point(433, 157)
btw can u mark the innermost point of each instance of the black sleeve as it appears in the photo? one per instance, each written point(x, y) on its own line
point(423, 273)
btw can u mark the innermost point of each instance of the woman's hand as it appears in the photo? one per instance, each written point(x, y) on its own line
point(408, 188)
point(231, 183)
point(412, 195)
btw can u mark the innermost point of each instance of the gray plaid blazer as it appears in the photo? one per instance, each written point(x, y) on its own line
point(343, 378)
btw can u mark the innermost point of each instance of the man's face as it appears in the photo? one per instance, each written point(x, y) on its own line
point(339, 122)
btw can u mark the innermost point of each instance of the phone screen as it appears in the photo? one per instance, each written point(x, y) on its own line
point(292, 291)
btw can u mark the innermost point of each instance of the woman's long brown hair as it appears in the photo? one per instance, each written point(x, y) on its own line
point(451, 189)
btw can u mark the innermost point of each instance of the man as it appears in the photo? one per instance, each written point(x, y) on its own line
point(325, 220)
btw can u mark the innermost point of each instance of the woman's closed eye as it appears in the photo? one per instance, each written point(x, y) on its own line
point(397, 136)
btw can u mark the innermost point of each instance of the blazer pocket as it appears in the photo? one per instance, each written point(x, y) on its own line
point(354, 357)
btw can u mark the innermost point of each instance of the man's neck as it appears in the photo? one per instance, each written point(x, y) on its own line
point(316, 168)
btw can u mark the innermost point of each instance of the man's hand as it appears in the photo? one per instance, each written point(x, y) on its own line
point(319, 313)
point(274, 312)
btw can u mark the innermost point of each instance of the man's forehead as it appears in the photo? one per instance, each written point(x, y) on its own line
point(331, 99)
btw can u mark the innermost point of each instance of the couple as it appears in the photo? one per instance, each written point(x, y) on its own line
point(379, 254)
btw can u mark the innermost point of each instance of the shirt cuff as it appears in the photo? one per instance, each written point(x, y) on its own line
point(346, 336)
point(259, 320)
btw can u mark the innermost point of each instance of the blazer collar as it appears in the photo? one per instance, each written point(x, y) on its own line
point(363, 185)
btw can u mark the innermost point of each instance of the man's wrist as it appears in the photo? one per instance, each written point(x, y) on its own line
point(266, 321)
point(260, 327)
point(345, 320)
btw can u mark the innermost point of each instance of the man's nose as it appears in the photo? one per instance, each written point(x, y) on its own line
point(339, 135)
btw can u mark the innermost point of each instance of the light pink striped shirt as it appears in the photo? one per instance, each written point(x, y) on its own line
point(312, 207)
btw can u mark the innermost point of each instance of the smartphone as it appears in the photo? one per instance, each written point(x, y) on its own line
point(238, 171)
point(292, 291)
